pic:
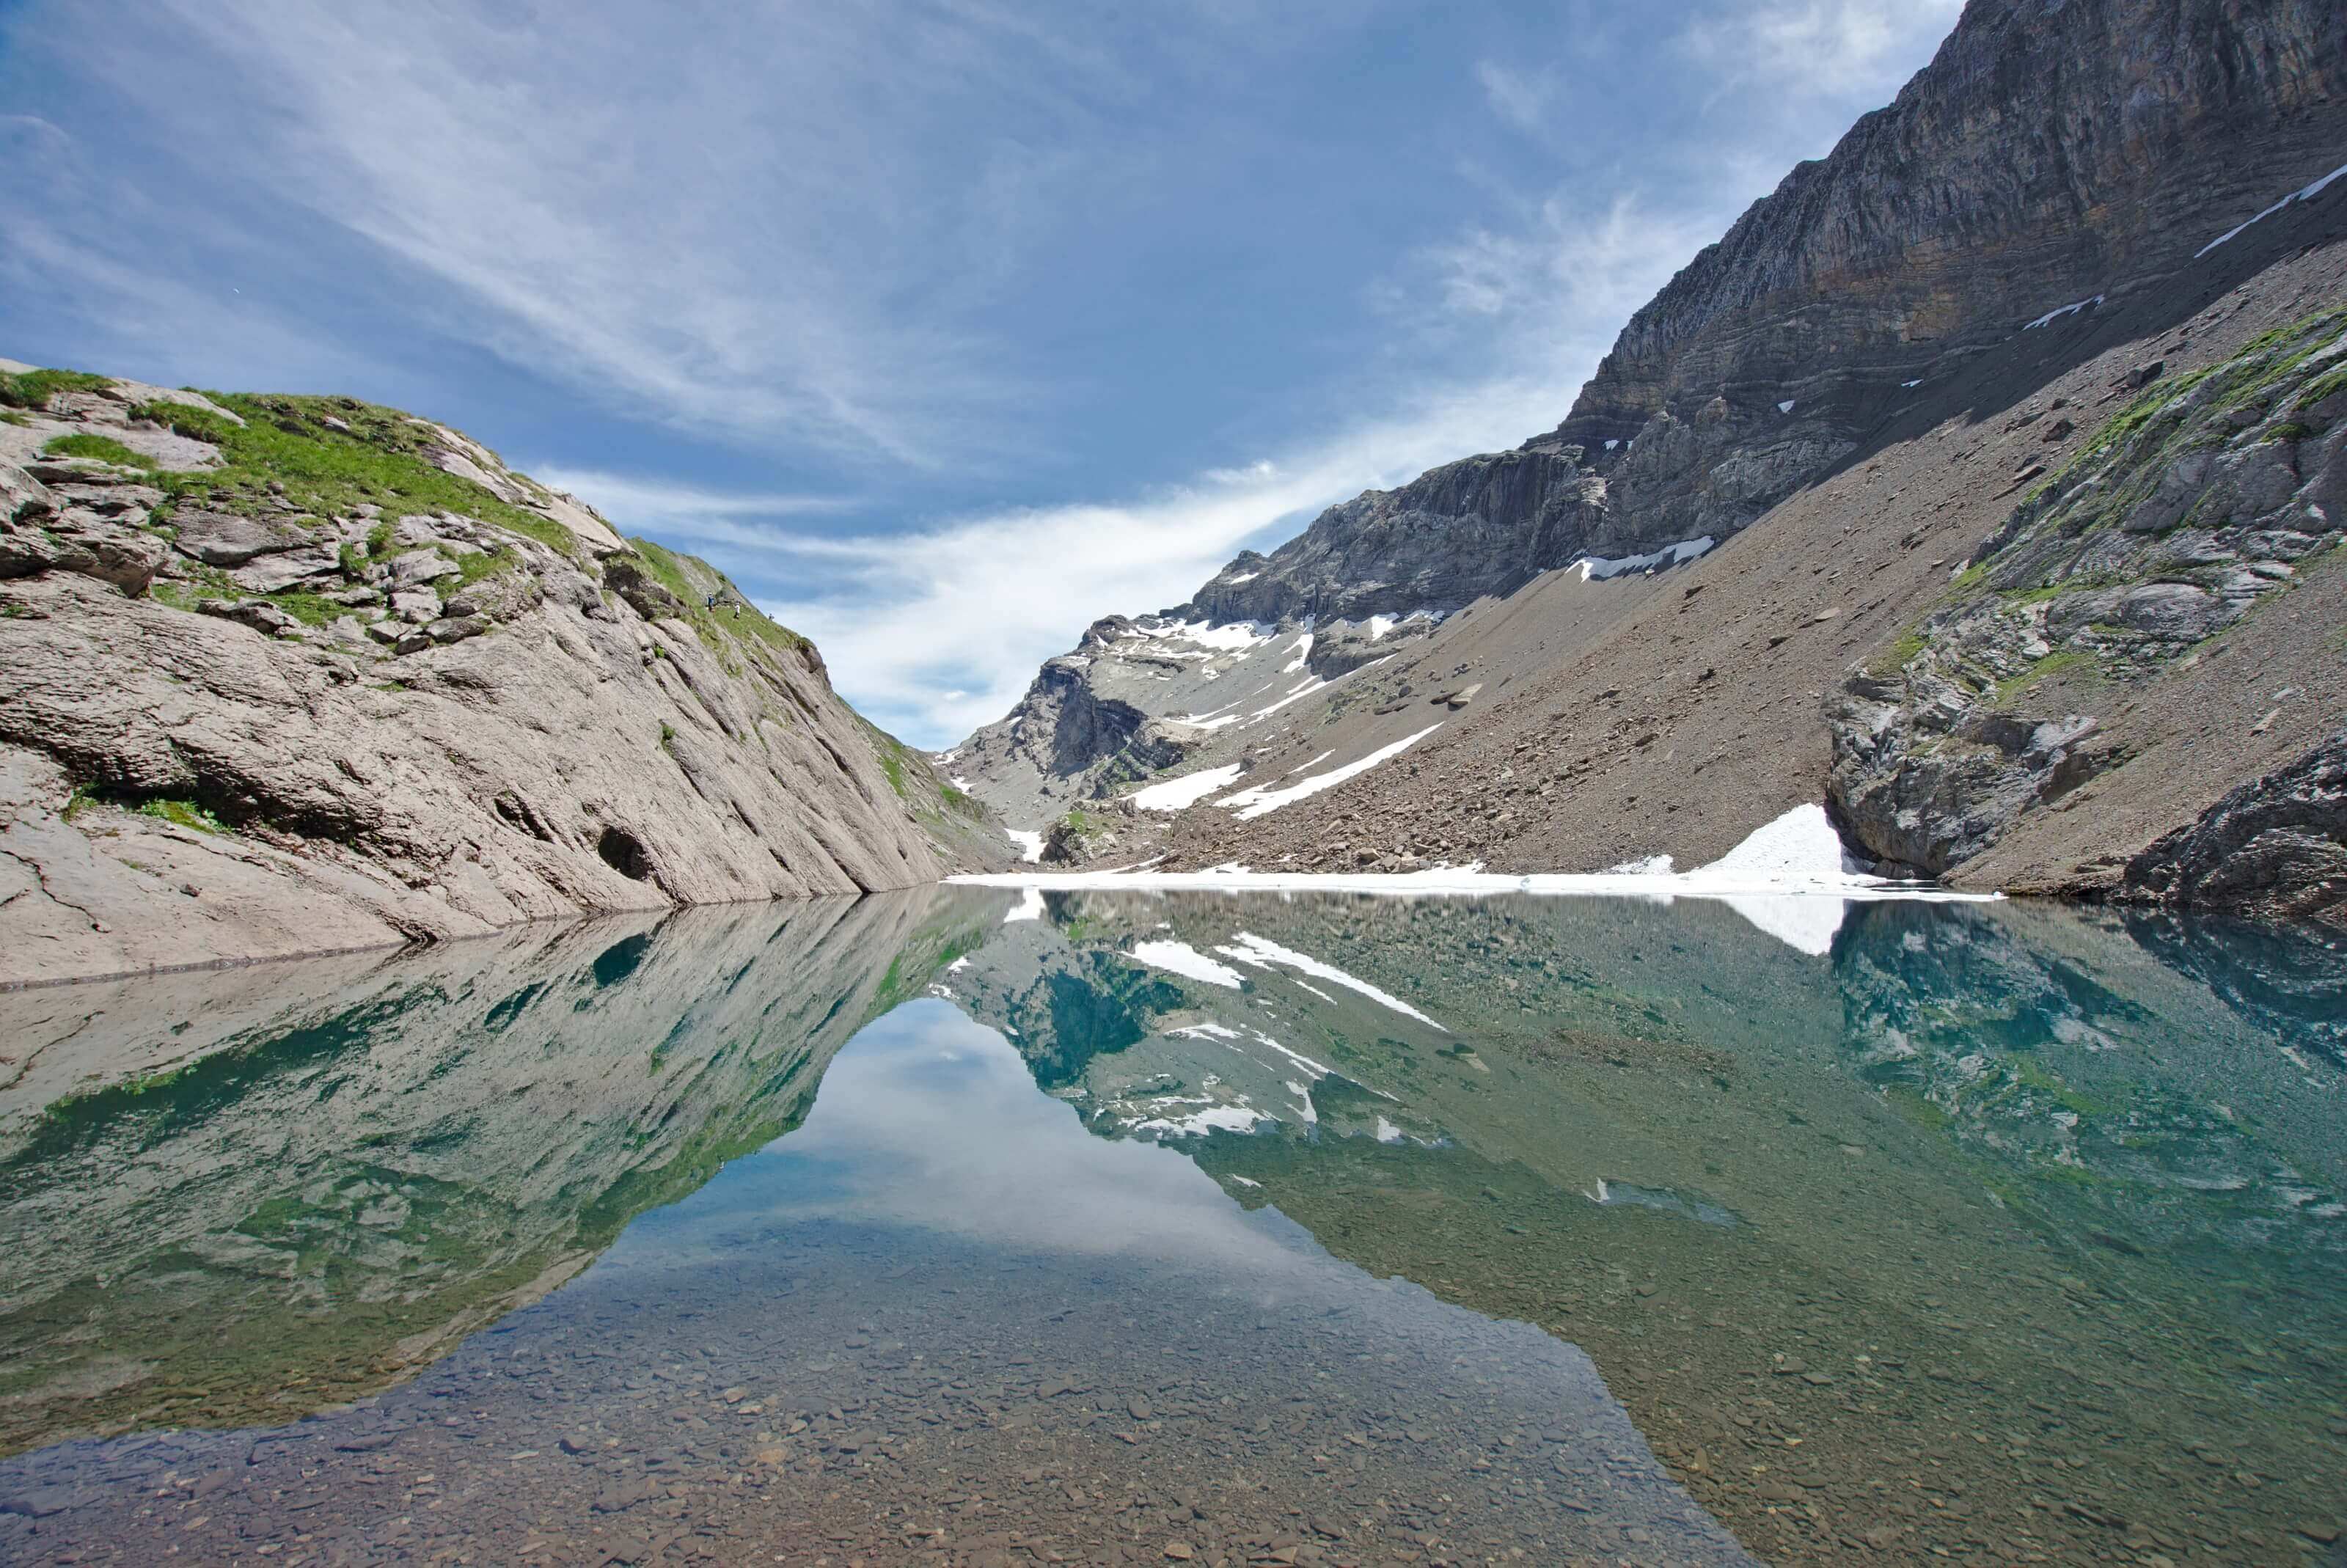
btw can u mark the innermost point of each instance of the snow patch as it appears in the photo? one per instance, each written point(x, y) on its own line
point(1243, 577)
point(1598, 568)
point(1248, 947)
point(1787, 877)
point(1786, 407)
point(1199, 1124)
point(1302, 651)
point(1258, 801)
point(1387, 1133)
point(1911, 386)
point(1315, 762)
point(1180, 959)
point(1799, 847)
point(1177, 794)
point(1612, 444)
point(1030, 845)
point(2304, 193)
point(1304, 689)
point(1233, 636)
point(2050, 317)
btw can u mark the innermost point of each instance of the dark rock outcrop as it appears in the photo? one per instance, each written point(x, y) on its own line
point(1481, 526)
point(2051, 155)
point(2197, 500)
point(2275, 848)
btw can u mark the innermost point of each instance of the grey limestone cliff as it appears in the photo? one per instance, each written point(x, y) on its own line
point(285, 675)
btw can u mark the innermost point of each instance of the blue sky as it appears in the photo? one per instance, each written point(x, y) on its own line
point(944, 325)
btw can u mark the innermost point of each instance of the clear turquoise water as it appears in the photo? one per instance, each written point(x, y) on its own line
point(935, 1226)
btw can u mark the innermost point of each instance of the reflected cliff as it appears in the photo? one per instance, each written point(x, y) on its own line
point(1994, 1209)
point(1995, 1224)
point(236, 1195)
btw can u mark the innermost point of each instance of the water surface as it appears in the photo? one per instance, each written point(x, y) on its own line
point(962, 1227)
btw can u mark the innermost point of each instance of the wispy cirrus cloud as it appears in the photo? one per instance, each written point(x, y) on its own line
point(1519, 97)
point(1837, 48)
point(946, 325)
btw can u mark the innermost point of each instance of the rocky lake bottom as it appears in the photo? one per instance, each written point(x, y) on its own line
point(970, 1226)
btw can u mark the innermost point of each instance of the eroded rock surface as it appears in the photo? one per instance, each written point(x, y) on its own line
point(2202, 498)
point(284, 675)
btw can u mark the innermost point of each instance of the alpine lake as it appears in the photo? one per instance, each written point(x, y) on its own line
point(983, 1227)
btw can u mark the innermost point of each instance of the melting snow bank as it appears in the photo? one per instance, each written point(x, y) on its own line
point(1030, 845)
point(2304, 193)
point(1188, 790)
point(1256, 801)
point(1597, 567)
point(2050, 317)
point(1180, 959)
point(1788, 878)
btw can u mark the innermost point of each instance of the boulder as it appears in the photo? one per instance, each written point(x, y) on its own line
point(231, 539)
point(2179, 611)
point(259, 614)
point(418, 606)
point(418, 567)
point(282, 570)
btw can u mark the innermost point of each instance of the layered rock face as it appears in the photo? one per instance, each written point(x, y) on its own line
point(286, 675)
point(1481, 526)
point(2052, 154)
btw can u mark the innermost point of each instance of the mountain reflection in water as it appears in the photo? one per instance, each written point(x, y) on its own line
point(1997, 1229)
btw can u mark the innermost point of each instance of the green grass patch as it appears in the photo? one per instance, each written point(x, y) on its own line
point(32, 388)
point(104, 448)
point(378, 457)
point(2062, 660)
point(163, 808)
point(483, 565)
point(730, 628)
point(184, 813)
point(1913, 1107)
point(308, 609)
point(1904, 651)
point(2329, 383)
point(11, 417)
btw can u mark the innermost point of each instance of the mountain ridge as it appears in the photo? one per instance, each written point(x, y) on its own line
point(2061, 180)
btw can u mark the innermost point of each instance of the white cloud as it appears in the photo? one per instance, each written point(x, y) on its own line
point(941, 630)
point(1837, 48)
point(643, 506)
point(722, 235)
point(1519, 98)
point(780, 227)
